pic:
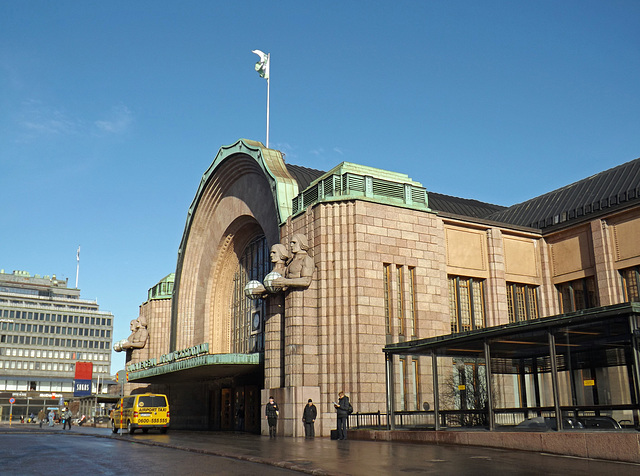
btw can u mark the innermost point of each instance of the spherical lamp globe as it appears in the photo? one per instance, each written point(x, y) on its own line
point(118, 345)
point(268, 282)
point(250, 288)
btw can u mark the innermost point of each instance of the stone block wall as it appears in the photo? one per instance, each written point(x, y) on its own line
point(335, 330)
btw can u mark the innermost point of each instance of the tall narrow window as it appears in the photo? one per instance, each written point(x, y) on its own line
point(401, 305)
point(387, 296)
point(403, 383)
point(577, 295)
point(411, 304)
point(630, 283)
point(522, 302)
point(415, 382)
point(253, 264)
point(466, 303)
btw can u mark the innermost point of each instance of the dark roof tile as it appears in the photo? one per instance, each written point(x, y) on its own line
point(461, 206)
point(603, 190)
point(303, 175)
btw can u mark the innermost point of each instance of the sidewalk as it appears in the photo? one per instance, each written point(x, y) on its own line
point(322, 456)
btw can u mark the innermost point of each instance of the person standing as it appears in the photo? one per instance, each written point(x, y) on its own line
point(41, 416)
point(343, 409)
point(52, 417)
point(240, 418)
point(272, 412)
point(309, 417)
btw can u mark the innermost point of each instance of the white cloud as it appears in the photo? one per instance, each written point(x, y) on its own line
point(119, 121)
point(37, 119)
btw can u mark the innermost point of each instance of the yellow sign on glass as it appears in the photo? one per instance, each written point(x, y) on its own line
point(589, 383)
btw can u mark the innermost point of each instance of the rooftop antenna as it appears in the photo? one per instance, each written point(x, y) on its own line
point(77, 265)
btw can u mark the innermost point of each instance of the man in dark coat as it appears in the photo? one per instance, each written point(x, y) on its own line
point(343, 408)
point(309, 417)
point(271, 411)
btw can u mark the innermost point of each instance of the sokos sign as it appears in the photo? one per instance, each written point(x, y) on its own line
point(81, 388)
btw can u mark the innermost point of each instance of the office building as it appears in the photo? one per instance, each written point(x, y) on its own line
point(45, 328)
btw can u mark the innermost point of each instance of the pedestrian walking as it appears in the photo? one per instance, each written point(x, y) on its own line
point(41, 417)
point(309, 418)
point(271, 411)
point(343, 409)
point(66, 418)
point(52, 416)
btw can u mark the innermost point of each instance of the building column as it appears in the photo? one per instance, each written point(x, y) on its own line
point(609, 291)
point(487, 359)
point(497, 312)
point(391, 400)
point(554, 379)
point(274, 343)
point(634, 382)
point(436, 396)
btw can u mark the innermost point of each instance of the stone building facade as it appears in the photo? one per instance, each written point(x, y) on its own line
point(392, 263)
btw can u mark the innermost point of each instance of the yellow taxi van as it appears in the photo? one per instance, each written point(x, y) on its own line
point(145, 411)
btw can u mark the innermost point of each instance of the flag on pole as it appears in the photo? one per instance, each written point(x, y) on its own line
point(78, 254)
point(262, 66)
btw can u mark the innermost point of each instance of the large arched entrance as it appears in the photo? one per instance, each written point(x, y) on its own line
point(240, 401)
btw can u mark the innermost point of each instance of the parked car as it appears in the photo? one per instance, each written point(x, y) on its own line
point(548, 423)
point(600, 423)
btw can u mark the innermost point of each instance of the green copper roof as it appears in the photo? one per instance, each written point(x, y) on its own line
point(209, 366)
point(349, 181)
point(164, 288)
point(283, 186)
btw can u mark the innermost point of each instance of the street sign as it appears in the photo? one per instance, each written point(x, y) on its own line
point(12, 401)
point(81, 388)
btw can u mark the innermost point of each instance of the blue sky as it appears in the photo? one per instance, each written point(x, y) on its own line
point(110, 112)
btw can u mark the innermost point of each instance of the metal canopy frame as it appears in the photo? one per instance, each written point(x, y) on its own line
point(592, 339)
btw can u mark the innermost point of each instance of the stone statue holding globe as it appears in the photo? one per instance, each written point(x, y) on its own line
point(300, 267)
point(292, 268)
point(279, 256)
point(137, 339)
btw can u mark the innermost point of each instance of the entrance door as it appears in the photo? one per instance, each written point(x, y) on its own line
point(239, 409)
point(226, 416)
point(252, 409)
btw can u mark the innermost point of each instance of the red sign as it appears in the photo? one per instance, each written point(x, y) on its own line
point(84, 370)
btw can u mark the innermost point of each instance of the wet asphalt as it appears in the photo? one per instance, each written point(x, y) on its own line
point(323, 456)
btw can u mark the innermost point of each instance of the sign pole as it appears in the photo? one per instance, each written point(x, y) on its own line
point(121, 376)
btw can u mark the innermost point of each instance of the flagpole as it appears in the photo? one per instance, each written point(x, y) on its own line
point(268, 84)
point(262, 67)
point(77, 266)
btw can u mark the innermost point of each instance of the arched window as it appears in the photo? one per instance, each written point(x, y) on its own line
point(247, 316)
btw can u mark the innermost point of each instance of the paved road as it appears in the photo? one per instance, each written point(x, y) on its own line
point(318, 456)
point(77, 454)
